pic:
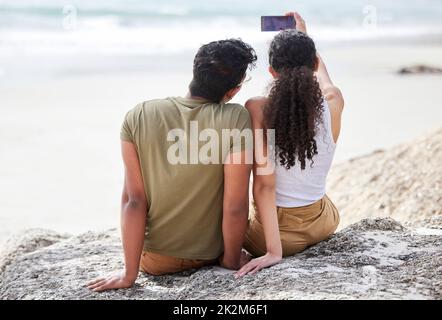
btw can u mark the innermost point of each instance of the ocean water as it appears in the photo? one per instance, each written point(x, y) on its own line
point(151, 27)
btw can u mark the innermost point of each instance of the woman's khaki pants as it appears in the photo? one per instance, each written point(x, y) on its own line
point(298, 227)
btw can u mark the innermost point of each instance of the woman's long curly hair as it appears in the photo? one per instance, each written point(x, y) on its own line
point(295, 102)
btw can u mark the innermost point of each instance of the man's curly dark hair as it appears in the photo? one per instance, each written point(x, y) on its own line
point(295, 101)
point(220, 66)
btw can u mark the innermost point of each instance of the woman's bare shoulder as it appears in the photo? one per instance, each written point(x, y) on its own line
point(256, 101)
point(255, 106)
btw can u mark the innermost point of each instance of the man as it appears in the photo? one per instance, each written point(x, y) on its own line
point(183, 211)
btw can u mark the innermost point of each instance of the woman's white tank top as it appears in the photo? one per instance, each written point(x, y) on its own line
point(298, 188)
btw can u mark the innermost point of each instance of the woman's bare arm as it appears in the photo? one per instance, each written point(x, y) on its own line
point(263, 194)
point(333, 96)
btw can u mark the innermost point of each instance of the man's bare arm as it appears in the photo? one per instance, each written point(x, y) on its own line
point(133, 222)
point(235, 210)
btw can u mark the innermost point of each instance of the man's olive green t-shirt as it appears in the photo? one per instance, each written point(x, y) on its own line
point(185, 197)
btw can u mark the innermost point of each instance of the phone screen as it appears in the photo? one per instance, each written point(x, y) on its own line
point(277, 23)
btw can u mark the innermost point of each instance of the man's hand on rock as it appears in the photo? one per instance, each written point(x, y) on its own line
point(116, 280)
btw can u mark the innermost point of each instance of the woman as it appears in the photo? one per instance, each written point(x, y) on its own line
point(292, 210)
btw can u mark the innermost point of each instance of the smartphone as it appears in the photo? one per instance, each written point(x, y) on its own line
point(277, 23)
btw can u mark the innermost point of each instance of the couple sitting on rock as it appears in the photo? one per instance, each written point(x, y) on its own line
point(185, 201)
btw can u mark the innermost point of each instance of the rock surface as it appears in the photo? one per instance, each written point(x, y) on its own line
point(27, 241)
point(419, 69)
point(404, 183)
point(372, 259)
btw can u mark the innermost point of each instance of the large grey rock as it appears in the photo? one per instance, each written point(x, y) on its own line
point(372, 259)
point(27, 241)
point(404, 183)
point(419, 69)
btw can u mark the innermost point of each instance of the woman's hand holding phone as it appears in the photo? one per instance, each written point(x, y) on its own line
point(300, 23)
